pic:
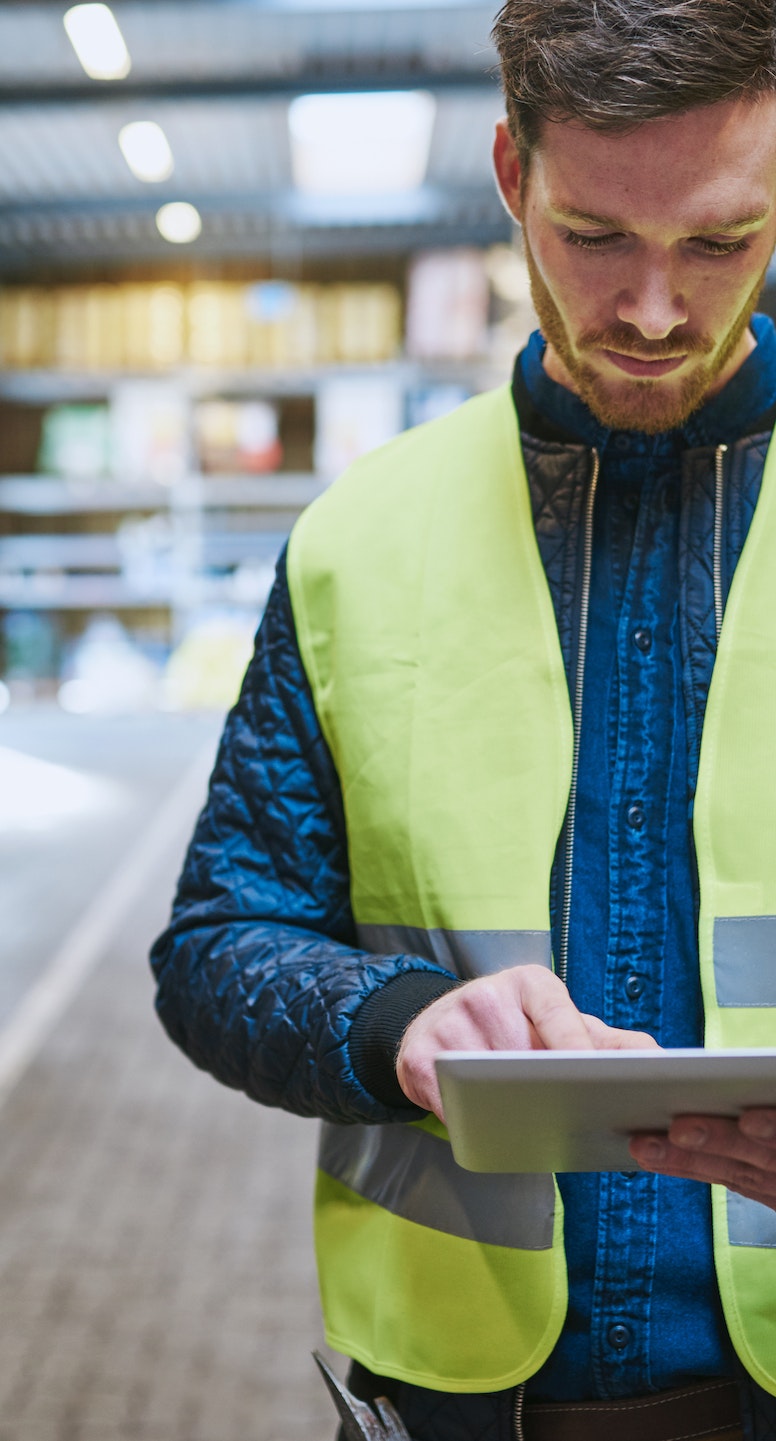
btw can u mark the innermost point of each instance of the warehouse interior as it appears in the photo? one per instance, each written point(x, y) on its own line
point(241, 242)
point(167, 406)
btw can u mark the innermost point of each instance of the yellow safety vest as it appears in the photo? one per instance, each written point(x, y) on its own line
point(428, 635)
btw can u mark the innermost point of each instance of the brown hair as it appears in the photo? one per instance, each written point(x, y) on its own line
point(613, 64)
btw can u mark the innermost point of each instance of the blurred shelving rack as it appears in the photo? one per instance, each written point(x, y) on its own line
point(87, 570)
point(65, 543)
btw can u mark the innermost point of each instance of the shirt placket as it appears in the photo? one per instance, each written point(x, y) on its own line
point(641, 747)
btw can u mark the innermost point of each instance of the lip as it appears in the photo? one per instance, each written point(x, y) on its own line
point(644, 369)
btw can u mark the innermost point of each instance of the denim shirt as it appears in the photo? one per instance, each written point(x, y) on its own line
point(644, 1310)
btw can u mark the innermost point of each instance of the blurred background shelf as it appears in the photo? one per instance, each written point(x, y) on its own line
point(170, 403)
point(36, 386)
point(52, 495)
point(171, 399)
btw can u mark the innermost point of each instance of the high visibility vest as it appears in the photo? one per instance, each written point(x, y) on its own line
point(427, 631)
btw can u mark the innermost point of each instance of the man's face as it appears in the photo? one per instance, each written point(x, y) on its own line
point(647, 252)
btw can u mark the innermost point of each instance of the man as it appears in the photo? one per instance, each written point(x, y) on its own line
point(486, 673)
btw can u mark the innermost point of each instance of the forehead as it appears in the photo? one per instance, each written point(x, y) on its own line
point(714, 160)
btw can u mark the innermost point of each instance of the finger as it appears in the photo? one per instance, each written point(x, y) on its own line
point(417, 1077)
point(759, 1125)
point(657, 1153)
point(720, 1136)
point(559, 1026)
point(612, 1038)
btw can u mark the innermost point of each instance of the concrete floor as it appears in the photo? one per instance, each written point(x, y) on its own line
point(156, 1271)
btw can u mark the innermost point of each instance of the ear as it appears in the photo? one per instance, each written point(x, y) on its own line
point(508, 170)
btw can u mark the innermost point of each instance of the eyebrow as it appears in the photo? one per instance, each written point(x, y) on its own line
point(608, 222)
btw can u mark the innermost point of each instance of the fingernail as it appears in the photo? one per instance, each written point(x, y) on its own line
point(651, 1150)
point(758, 1128)
point(693, 1137)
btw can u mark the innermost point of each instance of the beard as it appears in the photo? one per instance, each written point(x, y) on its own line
point(637, 404)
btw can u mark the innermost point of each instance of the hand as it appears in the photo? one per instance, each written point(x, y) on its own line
point(738, 1154)
point(526, 1008)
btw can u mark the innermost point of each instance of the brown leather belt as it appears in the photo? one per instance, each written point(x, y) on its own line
point(711, 1410)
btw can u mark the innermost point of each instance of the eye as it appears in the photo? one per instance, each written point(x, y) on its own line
point(590, 242)
point(721, 247)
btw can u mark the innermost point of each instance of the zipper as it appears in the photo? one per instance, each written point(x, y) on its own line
point(517, 1414)
point(719, 500)
point(587, 566)
point(579, 687)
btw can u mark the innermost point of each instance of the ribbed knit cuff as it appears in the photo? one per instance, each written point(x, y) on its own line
point(378, 1027)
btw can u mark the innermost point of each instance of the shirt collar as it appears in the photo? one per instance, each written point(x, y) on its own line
point(733, 413)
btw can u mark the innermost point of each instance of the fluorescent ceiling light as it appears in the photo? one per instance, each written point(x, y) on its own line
point(179, 222)
point(146, 149)
point(375, 143)
point(97, 41)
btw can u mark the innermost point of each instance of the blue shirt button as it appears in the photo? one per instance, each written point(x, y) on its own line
point(619, 1336)
point(634, 987)
point(636, 818)
point(642, 639)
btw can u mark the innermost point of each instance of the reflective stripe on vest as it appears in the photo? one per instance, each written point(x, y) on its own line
point(428, 636)
point(466, 953)
point(411, 1172)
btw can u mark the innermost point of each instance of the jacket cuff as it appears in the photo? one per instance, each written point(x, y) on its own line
point(378, 1027)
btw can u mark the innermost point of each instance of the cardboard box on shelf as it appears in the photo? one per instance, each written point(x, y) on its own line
point(26, 327)
point(75, 442)
point(149, 422)
point(368, 323)
point(217, 325)
point(237, 436)
point(354, 414)
point(447, 305)
point(222, 324)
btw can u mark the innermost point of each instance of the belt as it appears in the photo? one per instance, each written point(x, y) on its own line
point(711, 1410)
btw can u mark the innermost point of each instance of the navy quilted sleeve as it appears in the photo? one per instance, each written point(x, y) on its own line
point(259, 977)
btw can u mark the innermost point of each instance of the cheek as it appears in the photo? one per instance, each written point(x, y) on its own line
point(583, 293)
point(569, 279)
point(717, 301)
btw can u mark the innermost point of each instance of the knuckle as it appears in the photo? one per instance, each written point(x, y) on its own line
point(479, 995)
point(743, 1180)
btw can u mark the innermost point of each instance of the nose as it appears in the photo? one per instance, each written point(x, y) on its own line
point(652, 303)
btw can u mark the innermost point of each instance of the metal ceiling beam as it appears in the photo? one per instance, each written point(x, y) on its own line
point(428, 205)
point(20, 261)
point(407, 75)
point(279, 225)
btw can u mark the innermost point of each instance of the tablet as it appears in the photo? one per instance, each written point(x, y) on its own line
point(541, 1111)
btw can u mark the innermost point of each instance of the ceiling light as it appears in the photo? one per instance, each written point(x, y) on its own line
point(97, 41)
point(146, 149)
point(179, 222)
point(375, 143)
